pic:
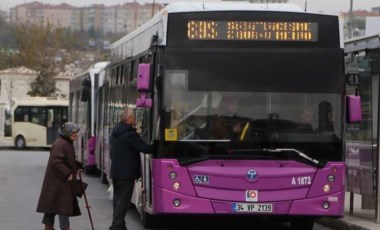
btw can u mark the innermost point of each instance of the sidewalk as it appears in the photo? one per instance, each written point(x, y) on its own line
point(362, 219)
point(5, 142)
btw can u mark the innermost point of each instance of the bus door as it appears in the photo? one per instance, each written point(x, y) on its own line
point(143, 128)
point(55, 117)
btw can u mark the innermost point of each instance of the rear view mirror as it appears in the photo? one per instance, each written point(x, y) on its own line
point(143, 76)
point(354, 109)
point(143, 102)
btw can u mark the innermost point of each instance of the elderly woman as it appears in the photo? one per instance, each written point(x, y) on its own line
point(57, 193)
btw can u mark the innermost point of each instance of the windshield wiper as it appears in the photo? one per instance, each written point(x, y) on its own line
point(229, 155)
point(189, 161)
point(299, 153)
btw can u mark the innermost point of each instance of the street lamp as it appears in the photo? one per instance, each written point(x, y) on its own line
point(154, 2)
point(350, 20)
point(305, 5)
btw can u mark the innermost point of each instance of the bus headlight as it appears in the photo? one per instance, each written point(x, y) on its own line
point(176, 185)
point(326, 188)
point(172, 175)
point(326, 205)
point(176, 203)
point(331, 178)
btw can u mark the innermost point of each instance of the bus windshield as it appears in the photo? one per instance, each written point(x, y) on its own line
point(233, 117)
point(190, 113)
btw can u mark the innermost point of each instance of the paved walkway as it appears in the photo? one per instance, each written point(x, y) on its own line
point(5, 142)
point(362, 219)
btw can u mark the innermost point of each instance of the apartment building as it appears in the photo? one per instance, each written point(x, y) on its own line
point(122, 18)
point(42, 14)
point(3, 15)
point(87, 18)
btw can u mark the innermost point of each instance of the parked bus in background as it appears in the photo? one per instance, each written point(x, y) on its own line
point(244, 106)
point(83, 104)
point(35, 120)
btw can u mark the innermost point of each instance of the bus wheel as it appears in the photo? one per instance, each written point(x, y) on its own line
point(20, 142)
point(302, 223)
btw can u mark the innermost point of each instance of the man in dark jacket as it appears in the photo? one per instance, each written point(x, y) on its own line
point(126, 145)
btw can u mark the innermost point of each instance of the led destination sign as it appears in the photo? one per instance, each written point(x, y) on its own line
point(252, 30)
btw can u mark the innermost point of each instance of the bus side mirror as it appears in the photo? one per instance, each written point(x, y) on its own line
point(143, 102)
point(354, 109)
point(143, 74)
point(86, 89)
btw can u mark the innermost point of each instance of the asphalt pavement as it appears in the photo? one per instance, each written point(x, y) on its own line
point(361, 219)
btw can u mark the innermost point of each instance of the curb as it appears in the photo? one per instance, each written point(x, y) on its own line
point(339, 224)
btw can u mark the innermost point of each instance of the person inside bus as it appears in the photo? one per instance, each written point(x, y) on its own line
point(57, 197)
point(126, 145)
point(325, 117)
point(225, 123)
point(307, 119)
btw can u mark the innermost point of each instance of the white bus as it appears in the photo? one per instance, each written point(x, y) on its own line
point(35, 120)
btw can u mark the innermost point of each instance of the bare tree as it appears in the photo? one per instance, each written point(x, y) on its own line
point(38, 48)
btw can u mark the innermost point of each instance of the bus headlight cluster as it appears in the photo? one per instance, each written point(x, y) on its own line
point(176, 203)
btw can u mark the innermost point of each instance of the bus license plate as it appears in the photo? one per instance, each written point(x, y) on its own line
point(251, 207)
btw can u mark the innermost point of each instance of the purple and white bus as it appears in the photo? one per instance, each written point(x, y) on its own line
point(244, 105)
point(84, 107)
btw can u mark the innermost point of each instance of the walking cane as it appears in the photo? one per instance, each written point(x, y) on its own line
point(85, 199)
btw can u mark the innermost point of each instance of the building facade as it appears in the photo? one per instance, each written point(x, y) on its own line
point(363, 23)
point(42, 14)
point(122, 18)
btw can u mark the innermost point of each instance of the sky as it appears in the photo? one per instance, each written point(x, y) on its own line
point(328, 6)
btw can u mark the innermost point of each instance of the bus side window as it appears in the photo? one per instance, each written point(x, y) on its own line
point(38, 116)
point(21, 114)
point(50, 118)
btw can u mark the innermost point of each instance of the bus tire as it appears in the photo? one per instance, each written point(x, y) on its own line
point(20, 142)
point(302, 223)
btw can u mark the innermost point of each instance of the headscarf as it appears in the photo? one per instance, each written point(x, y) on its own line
point(68, 128)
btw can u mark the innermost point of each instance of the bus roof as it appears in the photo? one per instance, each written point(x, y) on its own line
point(139, 40)
point(40, 101)
point(362, 43)
point(95, 68)
point(100, 65)
point(190, 6)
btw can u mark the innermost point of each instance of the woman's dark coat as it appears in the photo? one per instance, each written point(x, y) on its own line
point(57, 195)
point(126, 146)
